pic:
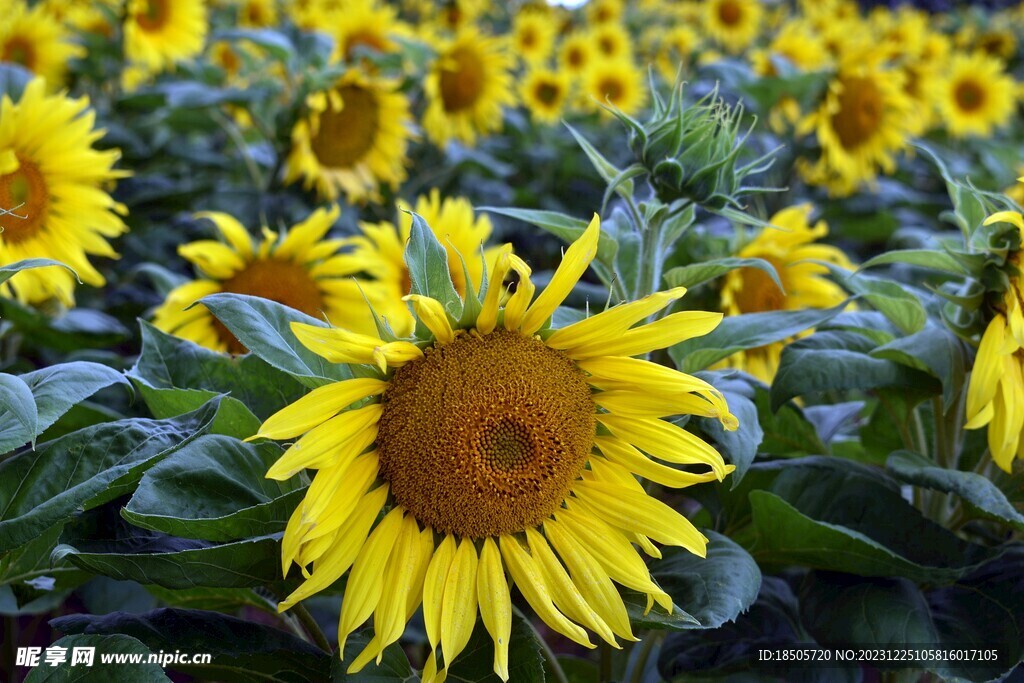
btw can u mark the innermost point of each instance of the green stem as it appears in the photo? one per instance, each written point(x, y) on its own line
point(312, 628)
point(943, 447)
point(651, 262)
point(640, 663)
point(605, 650)
point(922, 440)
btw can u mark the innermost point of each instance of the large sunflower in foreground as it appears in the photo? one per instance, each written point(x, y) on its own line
point(52, 184)
point(790, 248)
point(467, 87)
point(353, 141)
point(159, 33)
point(378, 252)
point(498, 451)
point(37, 41)
point(995, 395)
point(976, 95)
point(301, 270)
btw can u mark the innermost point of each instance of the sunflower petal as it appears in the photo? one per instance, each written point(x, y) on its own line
point(233, 231)
point(665, 441)
point(985, 378)
point(612, 322)
point(495, 604)
point(318, 406)
point(459, 605)
point(431, 313)
point(488, 317)
point(517, 304)
point(661, 334)
point(433, 588)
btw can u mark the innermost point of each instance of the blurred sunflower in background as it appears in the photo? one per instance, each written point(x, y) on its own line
point(34, 39)
point(976, 95)
point(53, 189)
point(467, 87)
point(533, 36)
point(544, 93)
point(353, 140)
point(618, 82)
point(481, 440)
point(611, 42)
point(733, 24)
point(575, 54)
point(366, 26)
point(160, 33)
point(790, 247)
point(300, 269)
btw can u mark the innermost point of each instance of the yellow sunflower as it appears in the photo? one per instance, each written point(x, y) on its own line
point(995, 395)
point(605, 11)
point(575, 54)
point(615, 82)
point(500, 451)
point(52, 190)
point(976, 95)
point(864, 120)
point(611, 42)
point(544, 93)
point(366, 26)
point(733, 23)
point(159, 33)
point(302, 270)
point(378, 252)
point(353, 140)
point(533, 36)
point(790, 248)
point(256, 13)
point(467, 87)
point(37, 41)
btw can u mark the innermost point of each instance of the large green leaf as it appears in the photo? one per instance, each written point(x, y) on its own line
point(787, 431)
point(894, 300)
point(77, 329)
point(264, 327)
point(984, 498)
point(228, 600)
point(427, 261)
point(233, 417)
point(19, 418)
point(239, 650)
point(923, 258)
point(657, 619)
point(60, 387)
point(215, 489)
point(475, 664)
point(699, 273)
point(84, 469)
point(839, 361)
point(113, 644)
point(11, 269)
point(29, 578)
point(741, 332)
point(935, 350)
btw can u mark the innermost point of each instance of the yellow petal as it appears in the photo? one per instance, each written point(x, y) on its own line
point(301, 237)
point(233, 231)
point(629, 457)
point(612, 322)
point(575, 262)
point(665, 441)
point(431, 313)
point(217, 260)
point(495, 603)
point(1011, 217)
point(336, 441)
point(517, 304)
point(338, 497)
point(988, 366)
point(426, 555)
point(644, 404)
point(661, 334)
point(527, 575)
point(433, 588)
point(318, 406)
point(459, 605)
point(342, 346)
point(488, 317)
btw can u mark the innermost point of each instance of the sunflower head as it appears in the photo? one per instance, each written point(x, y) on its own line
point(977, 96)
point(544, 93)
point(38, 41)
point(160, 33)
point(499, 450)
point(733, 23)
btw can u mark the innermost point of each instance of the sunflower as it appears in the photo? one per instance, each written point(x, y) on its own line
point(995, 395)
point(159, 33)
point(302, 270)
point(611, 42)
point(256, 13)
point(615, 82)
point(605, 11)
point(790, 248)
point(37, 41)
point(533, 35)
point(378, 252)
point(575, 54)
point(353, 140)
point(52, 192)
point(864, 120)
point(366, 26)
point(733, 23)
point(466, 88)
point(544, 93)
point(976, 95)
point(495, 448)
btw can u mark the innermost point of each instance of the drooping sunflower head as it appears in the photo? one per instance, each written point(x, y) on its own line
point(735, 24)
point(497, 448)
point(160, 33)
point(353, 140)
point(467, 87)
point(544, 93)
point(34, 39)
point(53, 189)
point(977, 96)
point(619, 83)
point(792, 250)
point(301, 269)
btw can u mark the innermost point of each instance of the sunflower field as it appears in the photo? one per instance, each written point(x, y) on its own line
point(451, 340)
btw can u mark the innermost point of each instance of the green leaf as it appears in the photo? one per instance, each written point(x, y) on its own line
point(112, 644)
point(565, 228)
point(239, 650)
point(214, 599)
point(787, 431)
point(27, 573)
point(715, 589)
point(657, 618)
point(84, 469)
point(19, 418)
point(608, 171)
point(698, 273)
point(264, 327)
point(935, 350)
point(923, 258)
point(394, 667)
point(833, 361)
point(9, 271)
point(984, 498)
point(215, 489)
point(475, 664)
point(739, 446)
point(274, 42)
point(77, 329)
point(60, 387)
point(427, 262)
point(892, 299)
point(233, 417)
point(741, 332)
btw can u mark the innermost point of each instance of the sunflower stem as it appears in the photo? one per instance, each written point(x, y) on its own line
point(651, 261)
point(605, 650)
point(647, 644)
point(312, 628)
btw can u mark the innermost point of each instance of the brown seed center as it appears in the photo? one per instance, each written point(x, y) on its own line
point(25, 202)
point(860, 112)
point(155, 16)
point(462, 85)
point(345, 136)
point(969, 96)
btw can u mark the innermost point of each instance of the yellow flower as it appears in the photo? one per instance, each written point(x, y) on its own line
point(159, 33)
point(38, 42)
point(256, 13)
point(466, 88)
point(995, 394)
point(862, 123)
point(366, 26)
point(481, 446)
point(533, 36)
point(611, 42)
point(604, 11)
point(575, 54)
point(615, 82)
point(799, 44)
point(544, 93)
point(1016, 193)
point(52, 182)
point(733, 23)
point(353, 140)
point(976, 95)
point(790, 248)
point(302, 270)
